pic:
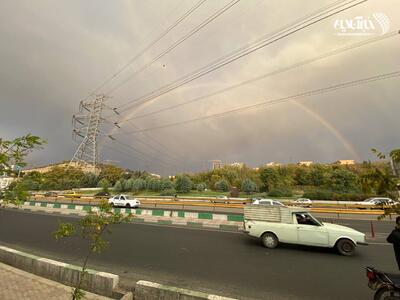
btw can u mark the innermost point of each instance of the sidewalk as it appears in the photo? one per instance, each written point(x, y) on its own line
point(18, 284)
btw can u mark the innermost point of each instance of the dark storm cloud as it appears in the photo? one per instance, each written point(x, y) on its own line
point(53, 53)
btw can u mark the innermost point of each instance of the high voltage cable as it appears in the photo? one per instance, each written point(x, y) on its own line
point(177, 43)
point(157, 39)
point(277, 101)
point(293, 66)
point(141, 152)
point(261, 43)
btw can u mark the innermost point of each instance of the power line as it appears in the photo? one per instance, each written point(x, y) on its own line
point(177, 43)
point(261, 43)
point(278, 101)
point(287, 68)
point(157, 39)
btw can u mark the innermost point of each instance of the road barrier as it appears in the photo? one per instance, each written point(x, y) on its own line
point(146, 290)
point(97, 282)
point(192, 204)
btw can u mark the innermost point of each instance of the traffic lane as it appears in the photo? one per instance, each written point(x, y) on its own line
point(224, 263)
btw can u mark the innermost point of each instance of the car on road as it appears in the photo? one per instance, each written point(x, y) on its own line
point(376, 201)
point(124, 201)
point(51, 194)
point(294, 225)
point(267, 202)
point(73, 194)
point(305, 202)
point(102, 194)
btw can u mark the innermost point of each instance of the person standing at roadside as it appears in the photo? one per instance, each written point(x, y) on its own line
point(394, 238)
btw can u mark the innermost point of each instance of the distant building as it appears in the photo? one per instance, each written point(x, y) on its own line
point(216, 164)
point(345, 162)
point(239, 165)
point(256, 168)
point(155, 175)
point(306, 163)
point(273, 164)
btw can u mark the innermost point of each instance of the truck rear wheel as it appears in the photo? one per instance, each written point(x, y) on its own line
point(345, 247)
point(269, 240)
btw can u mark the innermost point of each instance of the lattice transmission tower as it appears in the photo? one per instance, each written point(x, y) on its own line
point(87, 126)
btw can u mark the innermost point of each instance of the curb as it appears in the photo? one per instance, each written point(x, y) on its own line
point(146, 290)
point(97, 282)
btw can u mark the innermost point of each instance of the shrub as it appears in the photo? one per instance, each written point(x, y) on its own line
point(118, 187)
point(183, 184)
point(201, 187)
point(248, 186)
point(319, 195)
point(168, 192)
point(222, 185)
point(281, 192)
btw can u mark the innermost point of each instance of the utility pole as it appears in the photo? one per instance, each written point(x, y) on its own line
point(87, 125)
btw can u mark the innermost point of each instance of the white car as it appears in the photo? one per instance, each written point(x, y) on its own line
point(376, 201)
point(267, 202)
point(303, 202)
point(125, 201)
point(282, 224)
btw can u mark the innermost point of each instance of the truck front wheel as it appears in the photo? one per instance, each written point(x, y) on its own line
point(269, 240)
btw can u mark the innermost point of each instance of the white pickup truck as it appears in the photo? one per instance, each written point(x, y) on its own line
point(295, 225)
point(124, 200)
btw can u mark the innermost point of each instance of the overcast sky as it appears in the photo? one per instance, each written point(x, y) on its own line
point(54, 53)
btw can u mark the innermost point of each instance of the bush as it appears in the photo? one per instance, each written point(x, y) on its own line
point(248, 186)
point(166, 184)
point(183, 184)
point(168, 192)
point(118, 187)
point(201, 187)
point(281, 192)
point(138, 185)
point(222, 185)
point(329, 195)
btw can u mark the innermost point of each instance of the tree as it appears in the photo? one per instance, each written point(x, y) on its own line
point(343, 181)
point(13, 152)
point(248, 186)
point(138, 185)
point(166, 184)
point(12, 155)
point(104, 184)
point(201, 187)
point(222, 186)
point(270, 178)
point(118, 187)
point(91, 227)
point(111, 173)
point(183, 184)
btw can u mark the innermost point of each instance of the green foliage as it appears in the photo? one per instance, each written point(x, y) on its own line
point(16, 193)
point(280, 192)
point(154, 185)
point(183, 184)
point(329, 195)
point(248, 186)
point(13, 152)
point(111, 173)
point(138, 185)
point(104, 184)
point(118, 187)
point(91, 227)
point(343, 181)
point(168, 192)
point(166, 184)
point(201, 187)
point(222, 185)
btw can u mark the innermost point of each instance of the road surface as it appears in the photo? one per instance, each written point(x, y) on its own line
point(223, 263)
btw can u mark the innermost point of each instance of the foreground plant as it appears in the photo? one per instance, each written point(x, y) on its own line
point(91, 228)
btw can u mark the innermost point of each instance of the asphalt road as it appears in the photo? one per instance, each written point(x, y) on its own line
point(230, 264)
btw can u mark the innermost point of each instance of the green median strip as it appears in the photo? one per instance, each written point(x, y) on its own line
point(32, 203)
point(157, 212)
point(235, 218)
point(181, 214)
point(164, 222)
point(57, 205)
point(43, 204)
point(87, 208)
point(71, 206)
point(207, 216)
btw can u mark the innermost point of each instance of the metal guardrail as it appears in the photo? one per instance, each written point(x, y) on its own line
point(210, 203)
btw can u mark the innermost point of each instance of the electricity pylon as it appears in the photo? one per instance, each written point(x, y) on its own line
point(87, 126)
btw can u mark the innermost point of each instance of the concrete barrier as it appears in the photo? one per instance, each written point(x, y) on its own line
point(97, 282)
point(146, 290)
